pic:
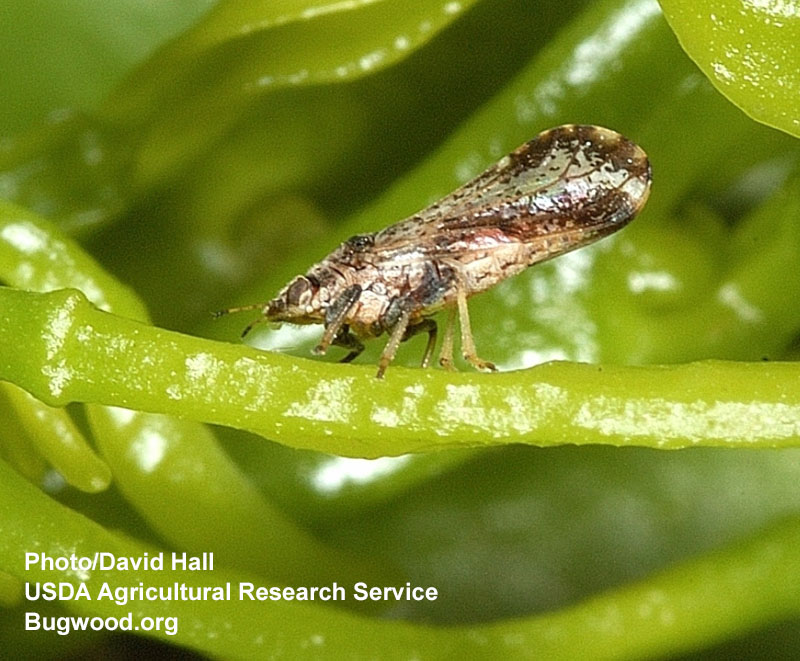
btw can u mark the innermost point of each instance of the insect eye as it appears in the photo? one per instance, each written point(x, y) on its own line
point(298, 291)
point(360, 241)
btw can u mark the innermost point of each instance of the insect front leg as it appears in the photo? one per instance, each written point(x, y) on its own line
point(335, 316)
point(467, 343)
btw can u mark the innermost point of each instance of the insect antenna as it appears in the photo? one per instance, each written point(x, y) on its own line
point(241, 308)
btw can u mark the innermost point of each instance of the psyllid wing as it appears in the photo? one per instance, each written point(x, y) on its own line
point(575, 182)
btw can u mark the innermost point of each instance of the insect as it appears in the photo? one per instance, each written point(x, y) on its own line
point(566, 188)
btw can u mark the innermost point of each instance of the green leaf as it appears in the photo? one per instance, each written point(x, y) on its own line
point(201, 84)
point(750, 51)
point(59, 54)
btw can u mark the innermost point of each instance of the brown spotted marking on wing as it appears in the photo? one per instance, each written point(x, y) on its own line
point(579, 181)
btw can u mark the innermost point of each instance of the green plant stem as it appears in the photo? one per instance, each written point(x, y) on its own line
point(58, 439)
point(65, 350)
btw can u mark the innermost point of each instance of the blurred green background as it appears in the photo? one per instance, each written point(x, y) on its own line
point(204, 153)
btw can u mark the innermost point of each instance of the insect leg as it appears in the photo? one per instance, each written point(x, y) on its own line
point(428, 326)
point(344, 338)
point(396, 336)
point(435, 282)
point(335, 316)
point(446, 354)
point(252, 325)
point(467, 343)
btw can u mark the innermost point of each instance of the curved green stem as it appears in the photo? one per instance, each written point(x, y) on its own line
point(68, 351)
point(58, 439)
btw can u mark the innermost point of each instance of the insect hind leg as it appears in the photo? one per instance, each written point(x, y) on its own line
point(467, 343)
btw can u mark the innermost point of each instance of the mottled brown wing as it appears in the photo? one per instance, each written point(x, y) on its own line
point(579, 182)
